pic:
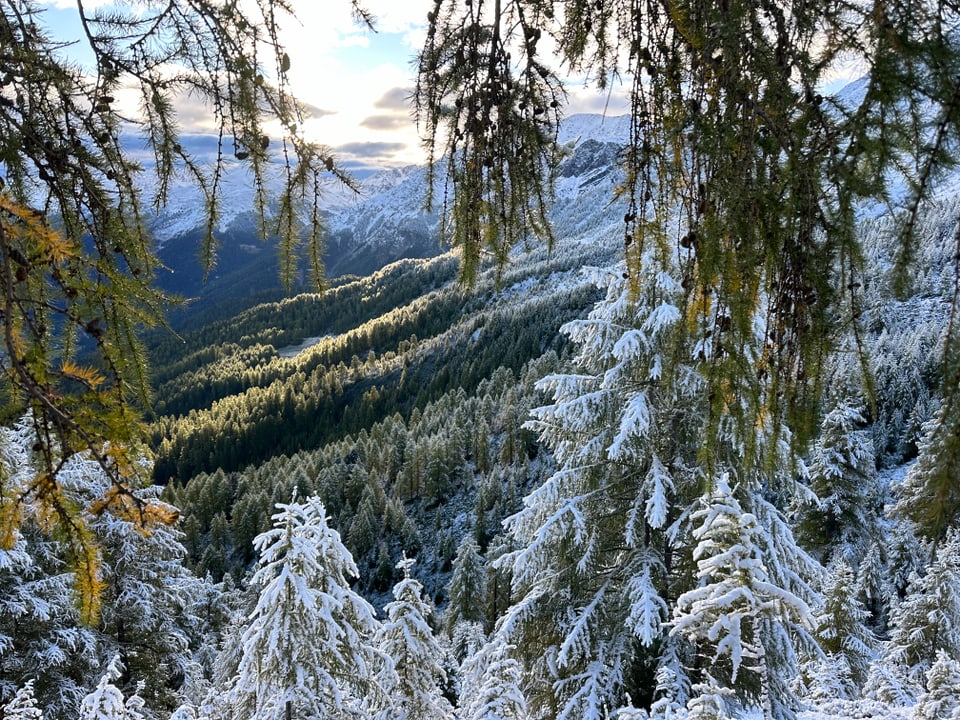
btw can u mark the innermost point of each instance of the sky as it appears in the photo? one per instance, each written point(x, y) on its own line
point(356, 83)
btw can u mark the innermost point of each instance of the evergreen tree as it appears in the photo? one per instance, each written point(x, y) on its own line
point(606, 544)
point(466, 590)
point(594, 542)
point(308, 646)
point(491, 684)
point(23, 706)
point(942, 698)
point(728, 616)
point(927, 621)
point(145, 608)
point(929, 496)
point(41, 640)
point(842, 636)
point(840, 628)
point(842, 476)
point(413, 680)
point(106, 702)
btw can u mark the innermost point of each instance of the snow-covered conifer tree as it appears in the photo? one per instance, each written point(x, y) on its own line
point(145, 607)
point(605, 545)
point(925, 622)
point(466, 590)
point(730, 616)
point(106, 702)
point(941, 701)
point(930, 494)
point(144, 584)
point(41, 638)
point(308, 644)
point(491, 680)
point(842, 476)
point(412, 680)
point(23, 706)
point(596, 539)
point(848, 646)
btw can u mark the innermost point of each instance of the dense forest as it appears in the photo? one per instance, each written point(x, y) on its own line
point(672, 431)
point(448, 447)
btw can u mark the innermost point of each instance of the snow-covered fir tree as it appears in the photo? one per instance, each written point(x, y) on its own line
point(145, 608)
point(41, 638)
point(926, 622)
point(941, 701)
point(308, 645)
point(849, 646)
point(106, 702)
point(23, 706)
point(467, 587)
point(146, 588)
point(930, 494)
point(491, 680)
point(731, 614)
point(596, 539)
point(606, 544)
point(842, 476)
point(413, 678)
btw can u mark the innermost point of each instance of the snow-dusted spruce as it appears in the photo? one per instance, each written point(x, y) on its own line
point(40, 636)
point(23, 706)
point(144, 610)
point(308, 649)
point(467, 588)
point(106, 702)
point(596, 540)
point(930, 494)
point(925, 622)
point(739, 616)
point(848, 646)
point(412, 679)
point(941, 701)
point(146, 587)
point(842, 475)
point(141, 588)
point(490, 681)
point(605, 544)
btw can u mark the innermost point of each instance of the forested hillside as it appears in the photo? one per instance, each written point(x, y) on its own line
point(439, 422)
point(403, 402)
point(672, 432)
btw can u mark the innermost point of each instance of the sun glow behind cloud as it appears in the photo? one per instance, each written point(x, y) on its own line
point(360, 80)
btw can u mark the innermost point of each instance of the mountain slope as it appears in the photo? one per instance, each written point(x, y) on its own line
point(384, 222)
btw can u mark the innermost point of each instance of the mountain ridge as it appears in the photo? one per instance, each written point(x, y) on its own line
point(385, 221)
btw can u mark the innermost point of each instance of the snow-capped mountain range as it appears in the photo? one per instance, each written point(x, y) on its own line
point(385, 221)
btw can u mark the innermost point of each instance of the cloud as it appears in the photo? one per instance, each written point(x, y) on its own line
point(315, 111)
point(370, 149)
point(397, 98)
point(399, 17)
point(587, 100)
point(362, 158)
point(386, 122)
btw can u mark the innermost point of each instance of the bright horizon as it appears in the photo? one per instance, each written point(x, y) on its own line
point(355, 83)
